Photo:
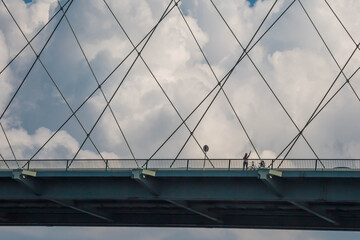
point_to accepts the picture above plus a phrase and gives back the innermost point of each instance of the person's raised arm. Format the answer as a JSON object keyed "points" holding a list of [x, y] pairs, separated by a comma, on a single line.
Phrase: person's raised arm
{"points": [[249, 153]]}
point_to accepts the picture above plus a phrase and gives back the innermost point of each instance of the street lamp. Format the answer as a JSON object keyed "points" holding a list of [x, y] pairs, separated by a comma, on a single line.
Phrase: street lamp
{"points": [[206, 149]]}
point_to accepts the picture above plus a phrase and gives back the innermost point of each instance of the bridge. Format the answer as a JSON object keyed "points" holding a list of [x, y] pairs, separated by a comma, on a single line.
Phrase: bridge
{"points": [[108, 121], [187, 196]]}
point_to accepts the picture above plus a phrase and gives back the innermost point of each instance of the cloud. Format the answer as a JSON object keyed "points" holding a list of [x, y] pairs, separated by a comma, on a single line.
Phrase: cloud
{"points": [[291, 58], [5, 84]]}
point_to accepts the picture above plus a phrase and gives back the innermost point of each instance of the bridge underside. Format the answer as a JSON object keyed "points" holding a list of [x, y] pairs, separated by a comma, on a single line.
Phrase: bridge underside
{"points": [[269, 215], [328, 200]]}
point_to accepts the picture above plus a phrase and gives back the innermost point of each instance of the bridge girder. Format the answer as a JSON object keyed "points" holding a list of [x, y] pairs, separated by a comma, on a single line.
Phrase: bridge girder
{"points": [[216, 198]]}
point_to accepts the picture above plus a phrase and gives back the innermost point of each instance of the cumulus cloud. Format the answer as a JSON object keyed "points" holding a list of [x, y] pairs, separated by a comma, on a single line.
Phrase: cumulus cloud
{"points": [[291, 58]]}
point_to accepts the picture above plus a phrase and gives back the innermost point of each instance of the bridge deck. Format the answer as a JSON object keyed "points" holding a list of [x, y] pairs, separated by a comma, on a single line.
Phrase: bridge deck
{"points": [[264, 198]]}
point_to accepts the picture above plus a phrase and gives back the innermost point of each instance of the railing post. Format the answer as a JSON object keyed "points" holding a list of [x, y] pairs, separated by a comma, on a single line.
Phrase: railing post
{"points": [[146, 164], [106, 164], [229, 164], [316, 164], [187, 164], [67, 165]]}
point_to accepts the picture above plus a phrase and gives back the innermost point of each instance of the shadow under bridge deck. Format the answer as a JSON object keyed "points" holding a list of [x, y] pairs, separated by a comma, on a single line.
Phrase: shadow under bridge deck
{"points": [[263, 198]]}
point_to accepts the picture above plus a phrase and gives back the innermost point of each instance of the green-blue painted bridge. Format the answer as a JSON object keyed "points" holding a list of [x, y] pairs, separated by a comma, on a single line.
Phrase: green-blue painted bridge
{"points": [[277, 198]]}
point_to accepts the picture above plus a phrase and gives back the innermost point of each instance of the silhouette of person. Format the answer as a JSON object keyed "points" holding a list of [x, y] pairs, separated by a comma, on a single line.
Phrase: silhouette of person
{"points": [[262, 164], [245, 158]]}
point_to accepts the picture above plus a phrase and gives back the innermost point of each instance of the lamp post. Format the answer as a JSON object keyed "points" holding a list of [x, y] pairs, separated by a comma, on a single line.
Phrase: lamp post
{"points": [[206, 149]]}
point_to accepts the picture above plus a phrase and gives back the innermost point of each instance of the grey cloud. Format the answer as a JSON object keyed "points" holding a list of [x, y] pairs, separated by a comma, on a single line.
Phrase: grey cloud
{"points": [[291, 58]]}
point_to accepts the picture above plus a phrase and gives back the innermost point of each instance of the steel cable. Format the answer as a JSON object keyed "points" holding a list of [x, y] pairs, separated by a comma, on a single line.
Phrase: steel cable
{"points": [[95, 90], [101, 90], [265, 81], [315, 113], [154, 77], [225, 77], [41, 29], [123, 79], [11, 148], [216, 78], [32, 66]]}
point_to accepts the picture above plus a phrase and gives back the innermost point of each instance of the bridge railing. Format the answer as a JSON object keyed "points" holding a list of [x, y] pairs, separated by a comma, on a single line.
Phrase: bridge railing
{"points": [[181, 164]]}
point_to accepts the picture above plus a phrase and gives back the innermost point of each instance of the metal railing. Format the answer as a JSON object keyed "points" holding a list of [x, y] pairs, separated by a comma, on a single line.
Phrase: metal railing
{"points": [[182, 164]]}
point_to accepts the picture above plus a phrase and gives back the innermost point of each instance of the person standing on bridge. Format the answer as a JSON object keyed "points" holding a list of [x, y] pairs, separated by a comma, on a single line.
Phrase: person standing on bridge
{"points": [[245, 163]]}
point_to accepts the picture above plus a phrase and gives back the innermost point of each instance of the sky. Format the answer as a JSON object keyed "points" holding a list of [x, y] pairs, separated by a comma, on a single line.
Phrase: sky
{"points": [[273, 92], [69, 233], [290, 58]]}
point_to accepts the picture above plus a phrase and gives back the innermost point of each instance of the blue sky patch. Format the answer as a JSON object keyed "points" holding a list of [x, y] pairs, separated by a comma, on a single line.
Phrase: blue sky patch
{"points": [[252, 2]]}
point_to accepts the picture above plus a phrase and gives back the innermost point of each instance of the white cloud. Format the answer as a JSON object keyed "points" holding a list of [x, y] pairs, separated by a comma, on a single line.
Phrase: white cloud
{"points": [[291, 57], [5, 84]]}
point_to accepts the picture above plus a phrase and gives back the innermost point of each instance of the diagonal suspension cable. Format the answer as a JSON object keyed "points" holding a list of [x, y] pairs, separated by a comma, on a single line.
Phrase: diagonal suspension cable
{"points": [[318, 112], [217, 79], [327, 47], [32, 66], [354, 91], [316, 109], [41, 29], [311, 117], [297, 137], [127, 73], [95, 90], [332, 10], [263, 78], [2, 158], [52, 79], [223, 79], [330, 99], [151, 72], [7, 139], [155, 78], [101, 90], [352, 39], [226, 79], [347, 79]]}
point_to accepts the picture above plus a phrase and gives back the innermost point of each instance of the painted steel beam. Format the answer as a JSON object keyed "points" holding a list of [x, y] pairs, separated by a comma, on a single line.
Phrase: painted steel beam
{"points": [[28, 179], [202, 213], [306, 208], [210, 198], [269, 177], [93, 213], [146, 179], [203, 186]]}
